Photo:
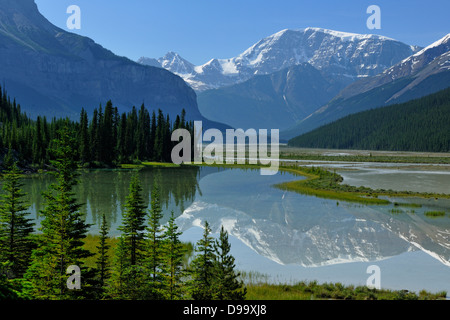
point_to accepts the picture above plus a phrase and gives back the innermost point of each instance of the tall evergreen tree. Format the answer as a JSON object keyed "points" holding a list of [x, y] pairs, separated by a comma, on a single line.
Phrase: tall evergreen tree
{"points": [[183, 119], [8, 159], [151, 140], [129, 274], [167, 141], [143, 133], [103, 258], [154, 240], [122, 139], [133, 221], [63, 228], [107, 141], [173, 254], [131, 141], [203, 267], [100, 152], [118, 283], [83, 137], [93, 132], [159, 137], [38, 143], [16, 228], [226, 285]]}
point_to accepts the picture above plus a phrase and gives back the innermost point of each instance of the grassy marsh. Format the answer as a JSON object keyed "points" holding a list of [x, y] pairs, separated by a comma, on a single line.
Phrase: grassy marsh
{"points": [[334, 291], [326, 184], [435, 213]]}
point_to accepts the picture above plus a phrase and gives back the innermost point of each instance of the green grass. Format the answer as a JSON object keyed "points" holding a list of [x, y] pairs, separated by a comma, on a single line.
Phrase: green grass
{"points": [[362, 158], [435, 213], [325, 184], [92, 241], [335, 291], [148, 164], [161, 164]]}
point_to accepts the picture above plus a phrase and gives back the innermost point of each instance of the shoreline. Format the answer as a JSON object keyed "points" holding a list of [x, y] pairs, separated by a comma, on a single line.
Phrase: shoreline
{"points": [[319, 182]]}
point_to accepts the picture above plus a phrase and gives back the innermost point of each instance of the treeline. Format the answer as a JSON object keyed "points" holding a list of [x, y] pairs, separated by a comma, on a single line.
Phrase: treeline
{"points": [[147, 261], [107, 139], [417, 125]]}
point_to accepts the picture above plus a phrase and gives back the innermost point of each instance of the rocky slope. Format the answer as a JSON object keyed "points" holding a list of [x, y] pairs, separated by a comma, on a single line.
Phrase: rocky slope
{"points": [[55, 73], [418, 75], [273, 101]]}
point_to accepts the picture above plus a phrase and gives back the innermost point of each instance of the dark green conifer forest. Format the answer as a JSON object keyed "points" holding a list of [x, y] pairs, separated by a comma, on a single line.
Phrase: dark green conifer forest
{"points": [[146, 262], [104, 139], [416, 125]]}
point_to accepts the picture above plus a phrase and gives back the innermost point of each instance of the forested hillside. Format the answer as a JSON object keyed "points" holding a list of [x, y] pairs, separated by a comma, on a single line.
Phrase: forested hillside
{"points": [[417, 125], [106, 139]]}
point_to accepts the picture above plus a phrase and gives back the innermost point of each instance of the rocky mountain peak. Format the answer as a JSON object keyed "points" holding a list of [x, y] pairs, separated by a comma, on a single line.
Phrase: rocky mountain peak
{"points": [[347, 55]]}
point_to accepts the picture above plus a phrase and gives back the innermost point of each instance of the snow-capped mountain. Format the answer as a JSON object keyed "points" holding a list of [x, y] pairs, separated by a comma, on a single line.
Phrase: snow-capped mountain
{"points": [[174, 62], [343, 54], [423, 73], [439, 49], [432, 59]]}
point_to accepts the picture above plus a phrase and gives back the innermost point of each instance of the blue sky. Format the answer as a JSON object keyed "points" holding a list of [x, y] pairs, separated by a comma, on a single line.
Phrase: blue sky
{"points": [[200, 30]]}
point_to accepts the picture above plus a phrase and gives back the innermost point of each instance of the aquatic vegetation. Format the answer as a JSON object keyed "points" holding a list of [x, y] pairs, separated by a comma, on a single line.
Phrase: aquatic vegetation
{"points": [[326, 184], [435, 213]]}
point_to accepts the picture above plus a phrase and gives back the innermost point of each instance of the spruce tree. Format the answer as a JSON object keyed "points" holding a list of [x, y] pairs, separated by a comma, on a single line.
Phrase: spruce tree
{"points": [[103, 258], [38, 144], [8, 159], [83, 137], [173, 254], [127, 281], [117, 284], [133, 222], [151, 140], [107, 141], [93, 137], [159, 137], [16, 228], [226, 285], [154, 246], [203, 267], [63, 229], [121, 139], [8, 291]]}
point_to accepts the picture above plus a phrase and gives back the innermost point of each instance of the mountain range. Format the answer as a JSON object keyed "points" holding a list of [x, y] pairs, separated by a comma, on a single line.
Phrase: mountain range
{"points": [[284, 78], [425, 72], [293, 80], [55, 73], [275, 100], [343, 54]]}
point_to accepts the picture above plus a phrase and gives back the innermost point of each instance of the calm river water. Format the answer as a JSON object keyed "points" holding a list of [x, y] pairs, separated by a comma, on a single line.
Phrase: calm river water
{"points": [[287, 236]]}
